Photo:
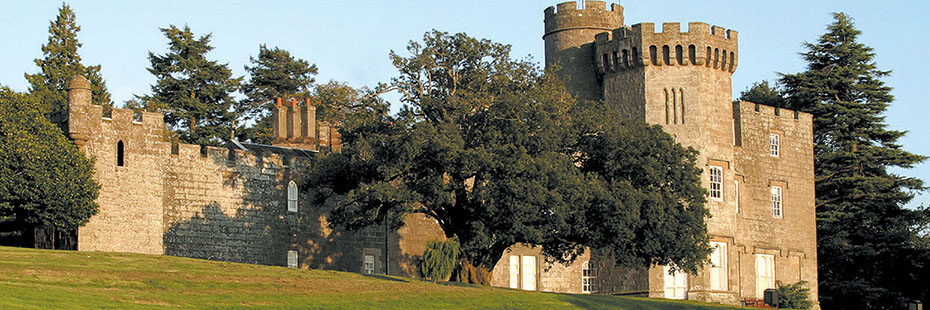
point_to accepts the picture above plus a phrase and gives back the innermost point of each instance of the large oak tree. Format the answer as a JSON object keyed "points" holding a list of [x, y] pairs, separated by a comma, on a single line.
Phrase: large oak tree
{"points": [[498, 153]]}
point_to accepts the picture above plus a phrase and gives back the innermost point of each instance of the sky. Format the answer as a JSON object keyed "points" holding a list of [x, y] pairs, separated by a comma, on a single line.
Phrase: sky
{"points": [[350, 40]]}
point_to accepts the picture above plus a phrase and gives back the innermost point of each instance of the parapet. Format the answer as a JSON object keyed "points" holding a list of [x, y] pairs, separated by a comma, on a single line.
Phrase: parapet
{"points": [[640, 45], [593, 15]]}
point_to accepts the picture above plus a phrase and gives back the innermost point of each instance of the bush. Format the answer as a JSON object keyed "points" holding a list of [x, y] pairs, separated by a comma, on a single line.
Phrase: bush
{"points": [[439, 259], [793, 296]]}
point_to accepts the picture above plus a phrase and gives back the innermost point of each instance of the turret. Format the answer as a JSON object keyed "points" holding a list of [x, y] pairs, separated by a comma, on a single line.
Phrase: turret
{"points": [[569, 36], [82, 119]]}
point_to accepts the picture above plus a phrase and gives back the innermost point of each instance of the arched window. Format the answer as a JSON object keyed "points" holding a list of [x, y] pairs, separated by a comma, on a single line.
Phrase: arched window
{"points": [[588, 277], [679, 54], [654, 55], [732, 61], [666, 55], [626, 58], [716, 58], [120, 154], [292, 197]]}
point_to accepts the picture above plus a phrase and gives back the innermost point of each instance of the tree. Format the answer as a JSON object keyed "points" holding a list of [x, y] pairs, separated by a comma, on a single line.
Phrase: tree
{"points": [[867, 253], [60, 63], [498, 153], [274, 74], [439, 260], [763, 93], [793, 296], [45, 181], [194, 93]]}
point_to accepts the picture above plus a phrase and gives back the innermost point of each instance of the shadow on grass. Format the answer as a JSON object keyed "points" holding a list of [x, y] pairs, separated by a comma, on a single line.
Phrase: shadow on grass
{"points": [[386, 278], [617, 302]]}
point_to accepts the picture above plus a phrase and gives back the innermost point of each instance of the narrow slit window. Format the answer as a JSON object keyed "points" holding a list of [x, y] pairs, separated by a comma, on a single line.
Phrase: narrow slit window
{"points": [[674, 107], [716, 58], [708, 59], [654, 55], [666, 106], [679, 54], [626, 58], [120, 154], [681, 99], [736, 194], [723, 60], [732, 61]]}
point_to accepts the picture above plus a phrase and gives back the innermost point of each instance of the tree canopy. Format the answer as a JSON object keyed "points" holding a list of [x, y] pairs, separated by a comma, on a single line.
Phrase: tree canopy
{"points": [[194, 93], [60, 63], [498, 153], [868, 258], [763, 93], [44, 179]]}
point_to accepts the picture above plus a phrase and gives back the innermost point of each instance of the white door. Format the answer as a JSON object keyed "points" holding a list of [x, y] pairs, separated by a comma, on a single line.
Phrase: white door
{"points": [[765, 273], [528, 269], [676, 286], [514, 271]]}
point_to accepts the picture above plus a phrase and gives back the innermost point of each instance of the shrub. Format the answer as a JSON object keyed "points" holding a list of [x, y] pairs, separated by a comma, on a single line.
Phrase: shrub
{"points": [[793, 296], [439, 259]]}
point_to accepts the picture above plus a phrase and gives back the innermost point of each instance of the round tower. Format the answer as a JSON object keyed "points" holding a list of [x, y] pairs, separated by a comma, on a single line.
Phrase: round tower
{"points": [[569, 36]]}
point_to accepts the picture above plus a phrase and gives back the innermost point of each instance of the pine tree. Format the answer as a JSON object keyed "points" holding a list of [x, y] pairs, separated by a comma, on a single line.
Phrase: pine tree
{"points": [[866, 239], [194, 93], [275, 73], [60, 63]]}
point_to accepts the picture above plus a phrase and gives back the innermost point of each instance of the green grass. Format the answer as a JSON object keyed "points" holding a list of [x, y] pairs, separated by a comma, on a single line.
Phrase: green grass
{"points": [[40, 279]]}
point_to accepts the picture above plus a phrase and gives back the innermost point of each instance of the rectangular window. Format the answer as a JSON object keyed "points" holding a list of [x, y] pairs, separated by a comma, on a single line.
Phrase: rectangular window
{"points": [[292, 259], [736, 194], [765, 273], [774, 141], [369, 265], [718, 266], [776, 202], [716, 183], [514, 271]]}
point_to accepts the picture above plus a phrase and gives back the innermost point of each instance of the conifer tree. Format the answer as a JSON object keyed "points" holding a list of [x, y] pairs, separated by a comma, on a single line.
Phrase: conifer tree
{"points": [[763, 93], [275, 73], [194, 93], [60, 63], [867, 254]]}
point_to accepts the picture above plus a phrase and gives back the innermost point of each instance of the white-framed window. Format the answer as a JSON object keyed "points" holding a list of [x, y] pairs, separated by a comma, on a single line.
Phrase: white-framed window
{"points": [[292, 259], [676, 285], [736, 194], [523, 272], [292, 197], [588, 277], [765, 273], [776, 201], [368, 266], [716, 182], [718, 266], [774, 142]]}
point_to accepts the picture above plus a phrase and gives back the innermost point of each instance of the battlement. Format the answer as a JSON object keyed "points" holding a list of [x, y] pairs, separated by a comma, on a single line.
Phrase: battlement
{"points": [[748, 108], [593, 15], [640, 45]]}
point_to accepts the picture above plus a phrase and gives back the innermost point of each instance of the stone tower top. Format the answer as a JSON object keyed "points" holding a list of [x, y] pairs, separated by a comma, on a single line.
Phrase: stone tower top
{"points": [[79, 90], [594, 15], [640, 45]]}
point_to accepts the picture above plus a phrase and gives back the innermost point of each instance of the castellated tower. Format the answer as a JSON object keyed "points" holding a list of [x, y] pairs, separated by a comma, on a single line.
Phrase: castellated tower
{"points": [[757, 161], [678, 79], [568, 35]]}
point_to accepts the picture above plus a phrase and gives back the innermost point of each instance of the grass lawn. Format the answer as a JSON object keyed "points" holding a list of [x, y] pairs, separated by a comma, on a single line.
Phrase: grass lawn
{"points": [[41, 279]]}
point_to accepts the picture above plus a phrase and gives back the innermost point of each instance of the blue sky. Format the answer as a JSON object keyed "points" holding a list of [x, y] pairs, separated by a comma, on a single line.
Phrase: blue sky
{"points": [[350, 40]]}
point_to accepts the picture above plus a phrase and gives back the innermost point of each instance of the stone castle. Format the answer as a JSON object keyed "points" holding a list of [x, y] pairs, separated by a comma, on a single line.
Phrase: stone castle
{"points": [[241, 203]]}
